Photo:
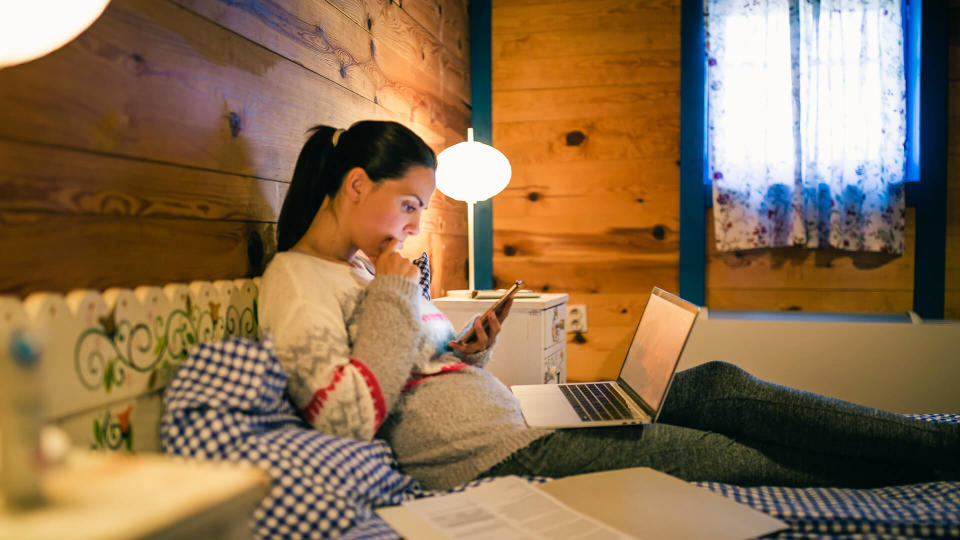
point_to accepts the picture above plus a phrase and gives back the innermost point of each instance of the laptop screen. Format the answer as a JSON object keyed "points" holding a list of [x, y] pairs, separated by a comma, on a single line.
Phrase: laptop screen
{"points": [[656, 346]]}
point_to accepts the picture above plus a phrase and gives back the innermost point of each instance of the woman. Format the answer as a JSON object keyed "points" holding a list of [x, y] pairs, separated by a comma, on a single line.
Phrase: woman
{"points": [[367, 356]]}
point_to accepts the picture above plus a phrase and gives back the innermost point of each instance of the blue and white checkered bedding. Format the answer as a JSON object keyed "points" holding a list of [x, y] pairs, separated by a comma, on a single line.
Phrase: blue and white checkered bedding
{"points": [[227, 402]]}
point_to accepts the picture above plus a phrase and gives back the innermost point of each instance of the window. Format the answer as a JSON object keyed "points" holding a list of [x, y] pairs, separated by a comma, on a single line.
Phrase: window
{"points": [[807, 123]]}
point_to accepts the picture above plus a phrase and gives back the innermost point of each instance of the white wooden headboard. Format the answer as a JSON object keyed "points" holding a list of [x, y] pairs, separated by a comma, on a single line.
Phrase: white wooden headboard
{"points": [[107, 356]]}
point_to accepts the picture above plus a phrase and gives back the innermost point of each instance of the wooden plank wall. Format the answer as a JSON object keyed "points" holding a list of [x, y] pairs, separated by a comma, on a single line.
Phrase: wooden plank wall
{"points": [[811, 280], [157, 146], [586, 104]]}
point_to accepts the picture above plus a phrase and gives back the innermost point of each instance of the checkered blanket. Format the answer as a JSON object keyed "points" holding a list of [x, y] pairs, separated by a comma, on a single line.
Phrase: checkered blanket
{"points": [[227, 403], [929, 510]]}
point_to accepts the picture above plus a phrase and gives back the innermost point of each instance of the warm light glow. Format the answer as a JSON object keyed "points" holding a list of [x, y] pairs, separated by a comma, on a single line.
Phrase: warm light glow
{"points": [[30, 29], [471, 171]]}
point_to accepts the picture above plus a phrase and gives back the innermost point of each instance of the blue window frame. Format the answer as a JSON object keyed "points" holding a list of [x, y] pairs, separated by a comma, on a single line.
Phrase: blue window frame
{"points": [[912, 17], [925, 43]]}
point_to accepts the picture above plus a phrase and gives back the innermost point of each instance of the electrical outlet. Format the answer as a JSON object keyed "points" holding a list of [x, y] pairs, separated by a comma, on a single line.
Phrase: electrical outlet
{"points": [[576, 318]]}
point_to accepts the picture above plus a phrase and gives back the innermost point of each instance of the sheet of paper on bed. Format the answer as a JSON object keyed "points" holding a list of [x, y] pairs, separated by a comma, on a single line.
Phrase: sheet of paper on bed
{"points": [[506, 507], [629, 503]]}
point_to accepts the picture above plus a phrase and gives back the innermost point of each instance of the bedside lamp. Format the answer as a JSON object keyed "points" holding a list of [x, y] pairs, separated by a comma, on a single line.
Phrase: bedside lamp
{"points": [[471, 172], [30, 29]]}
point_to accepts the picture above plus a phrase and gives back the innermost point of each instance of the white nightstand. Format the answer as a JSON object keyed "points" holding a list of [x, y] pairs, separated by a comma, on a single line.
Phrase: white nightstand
{"points": [[532, 347]]}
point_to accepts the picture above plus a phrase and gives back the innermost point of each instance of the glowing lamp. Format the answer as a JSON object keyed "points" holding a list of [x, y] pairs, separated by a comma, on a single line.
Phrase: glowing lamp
{"points": [[30, 29], [472, 172]]}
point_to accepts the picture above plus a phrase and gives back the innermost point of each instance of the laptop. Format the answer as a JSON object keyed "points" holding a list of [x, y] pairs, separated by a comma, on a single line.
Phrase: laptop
{"points": [[637, 395]]}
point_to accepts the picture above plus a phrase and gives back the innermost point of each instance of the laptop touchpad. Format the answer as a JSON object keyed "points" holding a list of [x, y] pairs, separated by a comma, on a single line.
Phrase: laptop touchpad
{"points": [[544, 405]]}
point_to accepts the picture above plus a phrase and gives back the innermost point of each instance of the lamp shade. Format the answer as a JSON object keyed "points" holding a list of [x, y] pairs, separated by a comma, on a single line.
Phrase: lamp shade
{"points": [[472, 171], [30, 29]]}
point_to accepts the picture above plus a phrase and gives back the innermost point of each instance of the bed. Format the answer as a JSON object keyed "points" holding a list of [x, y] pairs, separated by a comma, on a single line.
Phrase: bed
{"points": [[113, 357]]}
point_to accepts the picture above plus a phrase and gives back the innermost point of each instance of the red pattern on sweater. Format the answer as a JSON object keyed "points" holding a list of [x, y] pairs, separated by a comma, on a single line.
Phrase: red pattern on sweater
{"points": [[312, 409], [443, 371]]}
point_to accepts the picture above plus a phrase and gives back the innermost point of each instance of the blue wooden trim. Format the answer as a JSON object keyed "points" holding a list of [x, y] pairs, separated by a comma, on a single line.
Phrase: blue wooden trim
{"points": [[911, 193], [481, 76], [483, 243], [911, 59], [931, 242], [693, 88]]}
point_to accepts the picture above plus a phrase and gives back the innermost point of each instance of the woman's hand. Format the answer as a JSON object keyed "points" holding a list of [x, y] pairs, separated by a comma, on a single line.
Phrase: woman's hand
{"points": [[389, 262], [485, 337]]}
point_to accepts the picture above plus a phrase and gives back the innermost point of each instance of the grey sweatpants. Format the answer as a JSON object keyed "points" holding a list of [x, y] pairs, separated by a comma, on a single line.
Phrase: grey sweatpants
{"points": [[722, 424]]}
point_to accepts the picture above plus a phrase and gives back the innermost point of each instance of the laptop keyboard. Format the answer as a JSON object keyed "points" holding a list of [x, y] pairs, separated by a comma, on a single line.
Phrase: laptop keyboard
{"points": [[596, 401]]}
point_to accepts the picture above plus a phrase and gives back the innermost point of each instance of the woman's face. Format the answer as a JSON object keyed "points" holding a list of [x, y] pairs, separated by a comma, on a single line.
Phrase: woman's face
{"points": [[392, 209]]}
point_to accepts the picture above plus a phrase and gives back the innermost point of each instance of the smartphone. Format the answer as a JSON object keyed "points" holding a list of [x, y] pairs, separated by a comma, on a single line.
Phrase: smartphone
{"points": [[497, 308]]}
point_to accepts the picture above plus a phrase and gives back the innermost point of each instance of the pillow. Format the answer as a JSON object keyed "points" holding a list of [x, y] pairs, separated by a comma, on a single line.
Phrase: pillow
{"points": [[423, 263], [227, 403]]}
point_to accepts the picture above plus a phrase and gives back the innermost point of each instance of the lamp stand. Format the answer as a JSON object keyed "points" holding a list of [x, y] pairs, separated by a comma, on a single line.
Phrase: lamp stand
{"points": [[472, 276], [470, 254]]}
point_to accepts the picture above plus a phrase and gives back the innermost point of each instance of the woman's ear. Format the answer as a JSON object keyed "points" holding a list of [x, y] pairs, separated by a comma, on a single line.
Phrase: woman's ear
{"points": [[356, 184]]}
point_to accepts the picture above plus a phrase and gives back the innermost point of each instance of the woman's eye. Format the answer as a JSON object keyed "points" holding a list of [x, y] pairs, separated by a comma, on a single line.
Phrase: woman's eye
{"points": [[409, 208]]}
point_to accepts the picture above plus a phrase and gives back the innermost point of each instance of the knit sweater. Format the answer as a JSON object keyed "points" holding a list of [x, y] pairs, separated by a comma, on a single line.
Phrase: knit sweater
{"points": [[369, 356]]}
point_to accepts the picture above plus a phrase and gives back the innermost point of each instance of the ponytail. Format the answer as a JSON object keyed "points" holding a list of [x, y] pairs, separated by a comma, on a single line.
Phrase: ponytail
{"points": [[384, 150]]}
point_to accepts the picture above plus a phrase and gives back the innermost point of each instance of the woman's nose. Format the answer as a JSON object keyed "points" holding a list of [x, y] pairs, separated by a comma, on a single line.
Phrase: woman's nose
{"points": [[414, 226]]}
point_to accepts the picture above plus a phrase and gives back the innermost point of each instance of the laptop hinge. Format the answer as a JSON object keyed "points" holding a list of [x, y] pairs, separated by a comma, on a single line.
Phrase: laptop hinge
{"points": [[647, 409]]}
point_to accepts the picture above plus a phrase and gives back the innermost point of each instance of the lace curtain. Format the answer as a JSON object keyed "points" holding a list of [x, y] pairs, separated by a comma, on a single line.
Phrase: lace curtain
{"points": [[806, 123]]}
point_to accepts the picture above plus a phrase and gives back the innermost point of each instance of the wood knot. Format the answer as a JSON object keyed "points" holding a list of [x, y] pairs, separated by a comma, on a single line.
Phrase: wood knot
{"points": [[545, 288], [533, 196], [639, 199], [578, 338], [659, 232], [575, 138], [794, 308], [139, 63], [373, 49], [623, 310], [235, 124], [369, 23], [509, 251], [343, 71]]}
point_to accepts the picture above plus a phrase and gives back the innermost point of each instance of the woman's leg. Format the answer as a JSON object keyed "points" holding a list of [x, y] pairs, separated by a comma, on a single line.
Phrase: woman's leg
{"points": [[696, 455], [722, 424], [723, 398]]}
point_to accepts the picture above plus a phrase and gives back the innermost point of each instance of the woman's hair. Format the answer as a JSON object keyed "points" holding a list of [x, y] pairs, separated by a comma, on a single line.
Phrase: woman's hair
{"points": [[385, 150]]}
